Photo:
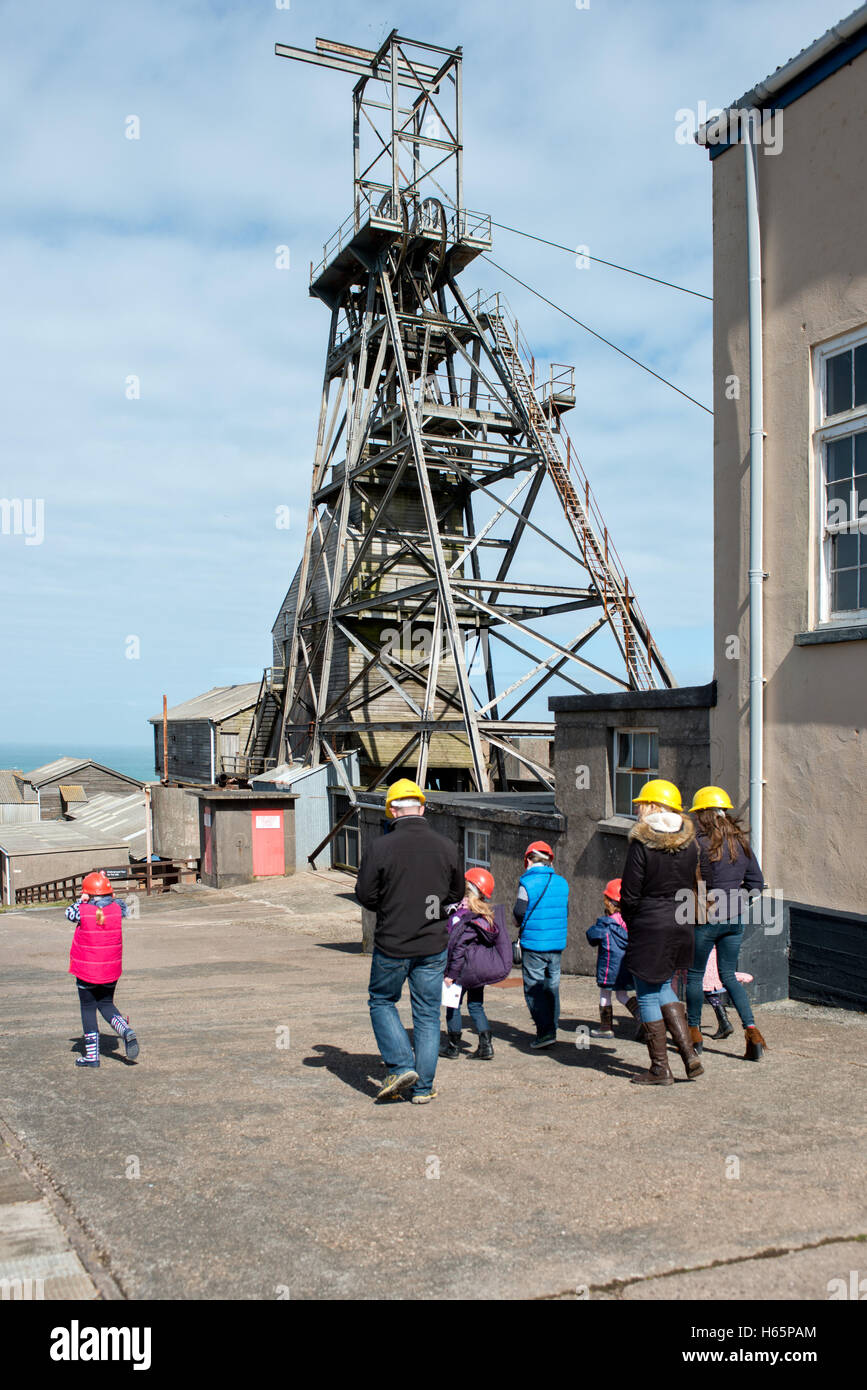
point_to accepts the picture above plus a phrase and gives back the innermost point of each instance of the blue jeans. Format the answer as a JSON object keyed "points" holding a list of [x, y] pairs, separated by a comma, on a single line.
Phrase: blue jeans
{"points": [[475, 998], [541, 970], [727, 937], [651, 999], [425, 975]]}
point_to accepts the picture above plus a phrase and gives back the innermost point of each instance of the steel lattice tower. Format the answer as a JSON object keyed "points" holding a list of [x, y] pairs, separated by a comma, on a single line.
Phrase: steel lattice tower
{"points": [[430, 412]]}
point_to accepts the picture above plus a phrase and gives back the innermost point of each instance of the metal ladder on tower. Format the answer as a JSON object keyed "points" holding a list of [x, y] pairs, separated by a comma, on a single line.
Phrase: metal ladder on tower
{"points": [[613, 592]]}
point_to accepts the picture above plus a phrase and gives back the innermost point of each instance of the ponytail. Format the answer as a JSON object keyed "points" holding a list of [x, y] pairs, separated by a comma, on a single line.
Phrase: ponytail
{"points": [[100, 917], [479, 907], [722, 829]]}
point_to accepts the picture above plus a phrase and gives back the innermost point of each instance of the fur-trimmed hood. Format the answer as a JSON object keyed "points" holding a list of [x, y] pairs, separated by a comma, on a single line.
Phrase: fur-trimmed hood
{"points": [[667, 841]]}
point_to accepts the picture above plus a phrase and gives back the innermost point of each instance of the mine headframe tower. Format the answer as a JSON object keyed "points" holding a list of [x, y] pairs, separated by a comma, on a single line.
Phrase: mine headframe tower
{"points": [[434, 441]]}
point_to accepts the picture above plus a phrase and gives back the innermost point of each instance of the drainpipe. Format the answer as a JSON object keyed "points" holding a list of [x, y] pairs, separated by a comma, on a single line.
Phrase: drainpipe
{"points": [[756, 567], [213, 768]]}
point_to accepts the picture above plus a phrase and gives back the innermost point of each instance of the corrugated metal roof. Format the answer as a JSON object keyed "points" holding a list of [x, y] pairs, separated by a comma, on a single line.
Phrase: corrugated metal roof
{"points": [[49, 772], [14, 789], [54, 836], [286, 775], [219, 703], [72, 791], [120, 817]]}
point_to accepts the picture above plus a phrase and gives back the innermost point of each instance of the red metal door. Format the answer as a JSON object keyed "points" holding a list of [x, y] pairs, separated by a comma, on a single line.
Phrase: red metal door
{"points": [[269, 857], [207, 817]]}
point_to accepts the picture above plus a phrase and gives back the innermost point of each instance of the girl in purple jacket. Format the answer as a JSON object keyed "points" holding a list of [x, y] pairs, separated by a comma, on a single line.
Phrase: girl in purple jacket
{"points": [[479, 953], [96, 961]]}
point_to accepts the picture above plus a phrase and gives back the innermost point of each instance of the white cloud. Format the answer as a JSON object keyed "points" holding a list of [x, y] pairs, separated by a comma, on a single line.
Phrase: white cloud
{"points": [[155, 257]]}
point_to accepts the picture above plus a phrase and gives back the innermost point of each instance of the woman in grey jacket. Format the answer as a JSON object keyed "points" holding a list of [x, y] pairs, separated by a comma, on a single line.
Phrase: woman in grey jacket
{"points": [[731, 873]]}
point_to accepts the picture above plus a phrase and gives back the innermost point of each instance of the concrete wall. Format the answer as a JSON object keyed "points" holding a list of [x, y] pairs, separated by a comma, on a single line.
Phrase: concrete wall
{"points": [[813, 206], [26, 870], [594, 847], [175, 823], [511, 824]]}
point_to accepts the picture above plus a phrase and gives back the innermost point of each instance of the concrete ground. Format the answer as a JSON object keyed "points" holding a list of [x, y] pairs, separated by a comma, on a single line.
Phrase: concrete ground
{"points": [[242, 1156]]}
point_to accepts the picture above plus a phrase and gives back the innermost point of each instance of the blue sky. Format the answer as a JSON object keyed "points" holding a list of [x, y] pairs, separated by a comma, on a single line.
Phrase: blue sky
{"points": [[155, 258]]}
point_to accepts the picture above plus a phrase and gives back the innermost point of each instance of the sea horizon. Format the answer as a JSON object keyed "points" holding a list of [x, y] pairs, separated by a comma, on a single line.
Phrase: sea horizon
{"points": [[134, 760]]}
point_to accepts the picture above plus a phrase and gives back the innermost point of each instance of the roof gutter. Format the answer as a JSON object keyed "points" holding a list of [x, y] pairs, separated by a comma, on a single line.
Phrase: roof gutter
{"points": [[716, 132]]}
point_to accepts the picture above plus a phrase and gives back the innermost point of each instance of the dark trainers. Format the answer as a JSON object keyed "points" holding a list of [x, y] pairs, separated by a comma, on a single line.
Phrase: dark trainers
{"points": [[130, 1042], [548, 1040], [425, 1099], [397, 1081]]}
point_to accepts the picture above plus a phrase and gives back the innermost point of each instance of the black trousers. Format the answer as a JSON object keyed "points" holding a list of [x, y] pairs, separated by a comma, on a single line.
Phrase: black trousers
{"points": [[93, 998]]}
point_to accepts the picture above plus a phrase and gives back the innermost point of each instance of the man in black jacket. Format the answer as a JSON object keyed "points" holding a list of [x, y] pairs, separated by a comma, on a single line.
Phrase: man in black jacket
{"points": [[408, 878]]}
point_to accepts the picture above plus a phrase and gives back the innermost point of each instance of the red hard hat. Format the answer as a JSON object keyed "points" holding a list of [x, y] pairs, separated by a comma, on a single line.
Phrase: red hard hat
{"points": [[539, 847], [96, 884], [612, 890], [481, 879]]}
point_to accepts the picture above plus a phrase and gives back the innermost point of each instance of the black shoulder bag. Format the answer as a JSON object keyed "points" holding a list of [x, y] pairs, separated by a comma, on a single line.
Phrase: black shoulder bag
{"points": [[516, 945]]}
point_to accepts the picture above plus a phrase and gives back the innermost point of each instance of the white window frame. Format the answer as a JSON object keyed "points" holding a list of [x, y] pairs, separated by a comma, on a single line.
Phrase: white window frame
{"points": [[825, 429], [474, 861], [615, 765]]}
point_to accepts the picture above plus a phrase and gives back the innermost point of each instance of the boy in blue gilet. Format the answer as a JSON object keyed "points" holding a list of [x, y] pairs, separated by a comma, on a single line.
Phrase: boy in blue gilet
{"points": [[541, 912]]}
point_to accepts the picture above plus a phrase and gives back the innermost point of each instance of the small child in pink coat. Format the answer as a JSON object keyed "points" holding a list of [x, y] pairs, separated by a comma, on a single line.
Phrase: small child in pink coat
{"points": [[96, 961], [714, 989]]}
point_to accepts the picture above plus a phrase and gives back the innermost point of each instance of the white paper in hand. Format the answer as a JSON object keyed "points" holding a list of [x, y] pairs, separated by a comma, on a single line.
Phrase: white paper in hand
{"points": [[451, 996]]}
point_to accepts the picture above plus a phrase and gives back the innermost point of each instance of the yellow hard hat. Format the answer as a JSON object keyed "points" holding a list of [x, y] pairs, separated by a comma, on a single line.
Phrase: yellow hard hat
{"points": [[402, 790], [707, 797], [665, 793]]}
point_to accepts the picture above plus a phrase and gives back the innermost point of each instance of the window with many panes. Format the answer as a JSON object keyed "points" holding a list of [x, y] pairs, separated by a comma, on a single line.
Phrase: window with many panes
{"points": [[636, 761], [477, 849], [840, 444], [344, 846]]}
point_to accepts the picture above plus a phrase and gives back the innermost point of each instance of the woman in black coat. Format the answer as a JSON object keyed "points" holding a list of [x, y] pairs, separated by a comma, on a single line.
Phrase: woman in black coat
{"points": [[657, 896]]}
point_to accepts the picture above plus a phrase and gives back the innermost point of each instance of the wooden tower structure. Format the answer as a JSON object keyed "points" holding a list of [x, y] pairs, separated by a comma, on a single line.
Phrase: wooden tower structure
{"points": [[434, 445]]}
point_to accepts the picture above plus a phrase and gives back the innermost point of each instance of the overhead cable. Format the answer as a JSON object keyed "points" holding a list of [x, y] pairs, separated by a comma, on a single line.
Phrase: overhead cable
{"points": [[592, 331], [629, 271]]}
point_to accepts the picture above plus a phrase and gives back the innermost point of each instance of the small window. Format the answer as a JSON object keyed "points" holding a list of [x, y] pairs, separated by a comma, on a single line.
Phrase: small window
{"points": [[840, 451], [636, 761], [344, 846], [477, 849]]}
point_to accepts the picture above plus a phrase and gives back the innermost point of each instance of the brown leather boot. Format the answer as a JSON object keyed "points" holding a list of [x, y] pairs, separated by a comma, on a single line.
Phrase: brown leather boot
{"points": [[674, 1017], [606, 1022], [696, 1037], [632, 1006], [755, 1043], [660, 1072]]}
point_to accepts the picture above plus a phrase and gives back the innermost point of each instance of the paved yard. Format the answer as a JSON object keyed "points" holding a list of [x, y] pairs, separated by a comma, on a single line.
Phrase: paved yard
{"points": [[242, 1156]]}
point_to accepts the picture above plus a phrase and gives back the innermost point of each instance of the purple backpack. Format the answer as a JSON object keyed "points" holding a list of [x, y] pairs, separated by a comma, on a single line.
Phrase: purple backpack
{"points": [[483, 962]]}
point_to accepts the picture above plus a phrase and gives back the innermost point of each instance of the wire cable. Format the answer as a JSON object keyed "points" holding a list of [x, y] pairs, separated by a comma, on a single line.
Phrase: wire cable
{"points": [[571, 250], [592, 331]]}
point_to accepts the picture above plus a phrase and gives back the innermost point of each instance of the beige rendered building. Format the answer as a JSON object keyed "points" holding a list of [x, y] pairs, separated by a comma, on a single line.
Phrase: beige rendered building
{"points": [[808, 150]]}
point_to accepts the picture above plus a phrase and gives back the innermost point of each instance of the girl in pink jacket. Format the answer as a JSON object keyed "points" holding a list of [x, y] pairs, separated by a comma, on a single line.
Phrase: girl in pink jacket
{"points": [[96, 961]]}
